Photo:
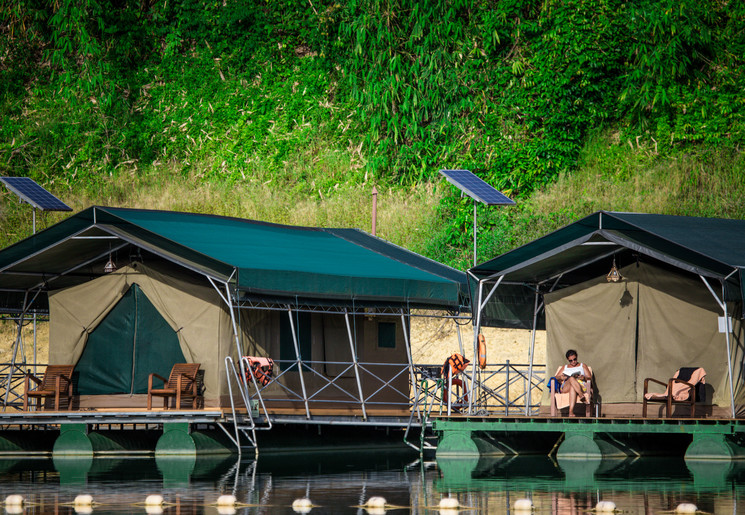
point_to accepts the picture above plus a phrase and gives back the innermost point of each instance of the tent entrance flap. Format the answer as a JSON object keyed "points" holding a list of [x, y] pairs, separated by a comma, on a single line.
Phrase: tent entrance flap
{"points": [[132, 342]]}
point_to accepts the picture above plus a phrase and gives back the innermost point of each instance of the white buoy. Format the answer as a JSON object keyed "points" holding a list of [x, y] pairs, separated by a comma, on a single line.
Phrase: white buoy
{"points": [[449, 503], [83, 509], [302, 505], [83, 500], [154, 500], [226, 510], [14, 500], [14, 509], [154, 509], [605, 507], [523, 504], [686, 507], [376, 502], [226, 500]]}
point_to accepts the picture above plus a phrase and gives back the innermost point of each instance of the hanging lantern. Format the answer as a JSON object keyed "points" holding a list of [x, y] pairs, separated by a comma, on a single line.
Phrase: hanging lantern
{"points": [[614, 275], [110, 266]]}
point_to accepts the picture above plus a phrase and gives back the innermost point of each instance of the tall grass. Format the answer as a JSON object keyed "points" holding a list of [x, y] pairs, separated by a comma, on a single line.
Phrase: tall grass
{"points": [[322, 186], [405, 215]]}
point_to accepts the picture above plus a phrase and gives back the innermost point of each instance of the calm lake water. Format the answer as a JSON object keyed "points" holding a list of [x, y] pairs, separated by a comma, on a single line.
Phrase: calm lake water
{"points": [[338, 482]]}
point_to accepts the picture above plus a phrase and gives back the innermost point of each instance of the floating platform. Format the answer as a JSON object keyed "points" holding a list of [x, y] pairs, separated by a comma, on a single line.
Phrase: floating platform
{"points": [[211, 432], [89, 433], [590, 438]]}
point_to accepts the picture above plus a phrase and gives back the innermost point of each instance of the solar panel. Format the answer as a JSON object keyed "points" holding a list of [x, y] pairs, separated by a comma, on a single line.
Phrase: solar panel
{"points": [[32, 193], [475, 188]]}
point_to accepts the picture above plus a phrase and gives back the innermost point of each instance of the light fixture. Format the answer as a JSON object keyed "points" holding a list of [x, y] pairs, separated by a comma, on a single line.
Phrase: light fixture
{"points": [[109, 266], [614, 275]]}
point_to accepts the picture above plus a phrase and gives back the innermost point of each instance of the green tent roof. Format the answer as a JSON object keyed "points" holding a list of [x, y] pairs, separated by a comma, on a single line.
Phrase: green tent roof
{"points": [[259, 259], [711, 247]]}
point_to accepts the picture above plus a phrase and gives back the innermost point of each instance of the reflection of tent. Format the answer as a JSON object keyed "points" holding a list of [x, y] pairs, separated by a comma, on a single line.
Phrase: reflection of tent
{"points": [[198, 288], [664, 313]]}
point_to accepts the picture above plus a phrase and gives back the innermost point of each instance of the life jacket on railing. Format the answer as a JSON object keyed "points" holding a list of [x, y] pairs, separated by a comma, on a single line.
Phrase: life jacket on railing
{"points": [[261, 368], [453, 366]]}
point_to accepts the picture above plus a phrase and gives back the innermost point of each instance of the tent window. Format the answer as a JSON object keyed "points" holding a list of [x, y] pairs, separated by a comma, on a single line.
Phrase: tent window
{"points": [[386, 335], [286, 346]]}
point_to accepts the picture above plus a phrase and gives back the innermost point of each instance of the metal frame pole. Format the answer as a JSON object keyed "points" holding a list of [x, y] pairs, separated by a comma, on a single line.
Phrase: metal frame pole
{"points": [[412, 372], [227, 299], [299, 362], [356, 364], [474, 232], [460, 340], [16, 344], [729, 354], [532, 355], [723, 306], [476, 328]]}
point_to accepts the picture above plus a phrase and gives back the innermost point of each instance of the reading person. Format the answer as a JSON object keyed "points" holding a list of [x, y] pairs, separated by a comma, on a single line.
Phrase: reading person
{"points": [[572, 377]]}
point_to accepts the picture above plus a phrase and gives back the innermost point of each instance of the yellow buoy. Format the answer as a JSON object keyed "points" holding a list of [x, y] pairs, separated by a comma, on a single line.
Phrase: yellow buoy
{"points": [[605, 507], [686, 508]]}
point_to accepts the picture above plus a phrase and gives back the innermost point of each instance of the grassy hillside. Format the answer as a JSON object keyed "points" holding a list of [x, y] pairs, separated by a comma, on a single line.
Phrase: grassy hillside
{"points": [[291, 111]]}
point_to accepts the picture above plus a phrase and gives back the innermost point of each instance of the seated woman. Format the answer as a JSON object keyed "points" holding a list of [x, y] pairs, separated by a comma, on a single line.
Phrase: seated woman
{"points": [[572, 377]]}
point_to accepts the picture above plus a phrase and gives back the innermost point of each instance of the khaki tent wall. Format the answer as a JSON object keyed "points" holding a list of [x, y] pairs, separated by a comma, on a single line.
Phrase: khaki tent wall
{"points": [[196, 313], [590, 318], [648, 325], [678, 327]]}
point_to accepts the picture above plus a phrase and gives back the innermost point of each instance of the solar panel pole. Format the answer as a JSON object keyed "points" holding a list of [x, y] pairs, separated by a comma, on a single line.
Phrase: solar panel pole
{"points": [[474, 232]]}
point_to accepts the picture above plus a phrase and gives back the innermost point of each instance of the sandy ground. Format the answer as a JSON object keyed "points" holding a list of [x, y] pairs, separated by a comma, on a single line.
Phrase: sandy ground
{"points": [[8, 333], [432, 341]]}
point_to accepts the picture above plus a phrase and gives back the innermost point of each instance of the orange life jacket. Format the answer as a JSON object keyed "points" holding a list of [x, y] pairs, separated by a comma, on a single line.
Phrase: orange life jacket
{"points": [[455, 363], [261, 368]]}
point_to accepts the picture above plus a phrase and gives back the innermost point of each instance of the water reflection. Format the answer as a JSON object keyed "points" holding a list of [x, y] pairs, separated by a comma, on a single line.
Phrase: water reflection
{"points": [[341, 482]]}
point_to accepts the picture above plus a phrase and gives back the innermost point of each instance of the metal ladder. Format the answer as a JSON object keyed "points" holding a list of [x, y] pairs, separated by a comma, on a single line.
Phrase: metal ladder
{"points": [[245, 425], [422, 409]]}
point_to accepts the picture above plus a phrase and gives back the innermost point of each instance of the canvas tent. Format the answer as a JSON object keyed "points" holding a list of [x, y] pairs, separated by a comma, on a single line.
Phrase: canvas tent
{"points": [[198, 288], [681, 276]]}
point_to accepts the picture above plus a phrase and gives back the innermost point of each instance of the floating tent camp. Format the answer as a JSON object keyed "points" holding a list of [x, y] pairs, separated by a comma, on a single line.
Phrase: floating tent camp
{"points": [[199, 288], [681, 279]]}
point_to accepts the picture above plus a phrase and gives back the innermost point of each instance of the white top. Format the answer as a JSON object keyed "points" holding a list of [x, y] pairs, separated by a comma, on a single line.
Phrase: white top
{"points": [[569, 371]]}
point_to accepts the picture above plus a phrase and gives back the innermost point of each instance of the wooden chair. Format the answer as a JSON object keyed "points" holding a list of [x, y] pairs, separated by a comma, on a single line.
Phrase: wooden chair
{"points": [[182, 383], [558, 398], [56, 382], [685, 387]]}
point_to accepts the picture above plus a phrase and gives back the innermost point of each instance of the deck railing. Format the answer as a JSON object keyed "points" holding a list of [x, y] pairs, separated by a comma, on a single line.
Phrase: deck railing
{"points": [[11, 383], [370, 387]]}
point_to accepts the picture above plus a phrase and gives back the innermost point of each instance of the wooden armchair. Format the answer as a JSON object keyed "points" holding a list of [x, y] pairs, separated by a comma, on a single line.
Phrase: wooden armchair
{"points": [[56, 382], [182, 383], [685, 387]]}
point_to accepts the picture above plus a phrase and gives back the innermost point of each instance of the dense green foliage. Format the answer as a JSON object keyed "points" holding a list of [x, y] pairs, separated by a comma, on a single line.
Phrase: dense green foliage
{"points": [[308, 95]]}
